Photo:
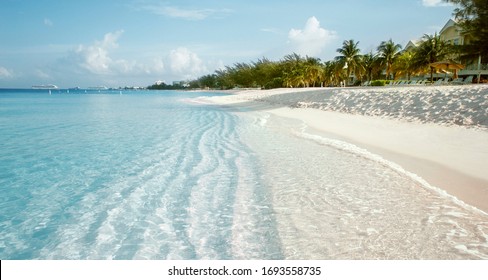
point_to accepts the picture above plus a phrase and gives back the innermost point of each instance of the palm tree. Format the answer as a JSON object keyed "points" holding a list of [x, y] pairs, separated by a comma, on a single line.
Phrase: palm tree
{"points": [[313, 70], [371, 64], [405, 64], [328, 77], [430, 50], [388, 51], [333, 73], [293, 70], [350, 56]]}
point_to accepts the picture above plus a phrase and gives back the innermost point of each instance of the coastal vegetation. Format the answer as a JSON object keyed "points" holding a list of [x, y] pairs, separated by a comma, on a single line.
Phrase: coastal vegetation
{"points": [[351, 67], [430, 50], [294, 70], [388, 51], [472, 16]]}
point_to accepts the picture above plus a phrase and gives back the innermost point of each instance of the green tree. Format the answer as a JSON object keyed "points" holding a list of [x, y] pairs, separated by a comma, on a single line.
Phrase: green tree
{"points": [[328, 78], [313, 71], [371, 64], [207, 81], [349, 57], [293, 70], [473, 19], [223, 79], [404, 64], [430, 50], [266, 73], [388, 51], [333, 73]]}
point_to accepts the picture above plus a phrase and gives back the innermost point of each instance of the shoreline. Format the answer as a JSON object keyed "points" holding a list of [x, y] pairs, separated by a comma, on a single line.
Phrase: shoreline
{"points": [[436, 153]]}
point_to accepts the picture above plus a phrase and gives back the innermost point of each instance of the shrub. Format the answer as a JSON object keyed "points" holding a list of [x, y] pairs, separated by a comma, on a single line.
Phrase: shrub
{"points": [[378, 83]]}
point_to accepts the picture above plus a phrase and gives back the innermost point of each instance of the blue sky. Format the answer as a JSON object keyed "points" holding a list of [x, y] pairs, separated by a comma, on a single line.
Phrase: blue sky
{"points": [[137, 42]]}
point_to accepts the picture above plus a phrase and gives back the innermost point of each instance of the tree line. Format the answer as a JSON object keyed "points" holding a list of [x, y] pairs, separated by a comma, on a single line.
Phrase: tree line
{"points": [[388, 61]]}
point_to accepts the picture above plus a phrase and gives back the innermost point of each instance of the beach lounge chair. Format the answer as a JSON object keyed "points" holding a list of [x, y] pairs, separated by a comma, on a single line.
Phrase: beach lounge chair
{"points": [[441, 82], [460, 81], [468, 80], [457, 81]]}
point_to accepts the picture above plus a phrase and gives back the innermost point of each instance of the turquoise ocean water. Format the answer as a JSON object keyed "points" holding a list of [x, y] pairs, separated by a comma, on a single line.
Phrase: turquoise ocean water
{"points": [[115, 176], [149, 175]]}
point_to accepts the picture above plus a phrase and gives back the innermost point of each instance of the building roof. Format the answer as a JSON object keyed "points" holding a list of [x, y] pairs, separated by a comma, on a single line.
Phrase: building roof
{"points": [[450, 23], [411, 44]]}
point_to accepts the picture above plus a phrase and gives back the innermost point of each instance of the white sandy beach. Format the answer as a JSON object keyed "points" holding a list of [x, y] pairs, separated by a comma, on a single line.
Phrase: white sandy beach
{"points": [[448, 156]]}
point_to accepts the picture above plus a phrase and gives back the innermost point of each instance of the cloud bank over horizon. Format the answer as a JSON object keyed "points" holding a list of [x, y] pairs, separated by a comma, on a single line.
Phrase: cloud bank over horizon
{"points": [[106, 62]]}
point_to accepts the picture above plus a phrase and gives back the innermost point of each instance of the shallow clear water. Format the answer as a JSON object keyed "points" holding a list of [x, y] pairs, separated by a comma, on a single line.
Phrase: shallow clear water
{"points": [[333, 200], [151, 176], [139, 175]]}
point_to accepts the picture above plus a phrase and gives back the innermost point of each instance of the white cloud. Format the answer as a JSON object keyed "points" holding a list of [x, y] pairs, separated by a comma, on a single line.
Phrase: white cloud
{"points": [[185, 63], [95, 58], [5, 73], [156, 66], [312, 39], [434, 3], [187, 14], [105, 62]]}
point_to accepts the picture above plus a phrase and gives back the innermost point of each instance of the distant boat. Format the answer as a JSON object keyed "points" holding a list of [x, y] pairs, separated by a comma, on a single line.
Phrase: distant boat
{"points": [[45, 87]]}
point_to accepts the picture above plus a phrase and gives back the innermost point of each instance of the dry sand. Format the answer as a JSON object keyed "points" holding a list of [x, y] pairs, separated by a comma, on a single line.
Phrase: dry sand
{"points": [[453, 158]]}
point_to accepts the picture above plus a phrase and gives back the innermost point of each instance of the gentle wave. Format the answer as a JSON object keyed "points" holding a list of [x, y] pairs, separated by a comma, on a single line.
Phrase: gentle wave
{"points": [[351, 148], [334, 200]]}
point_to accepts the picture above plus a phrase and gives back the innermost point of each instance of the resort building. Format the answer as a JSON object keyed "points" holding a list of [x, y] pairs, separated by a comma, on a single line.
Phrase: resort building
{"points": [[453, 35]]}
